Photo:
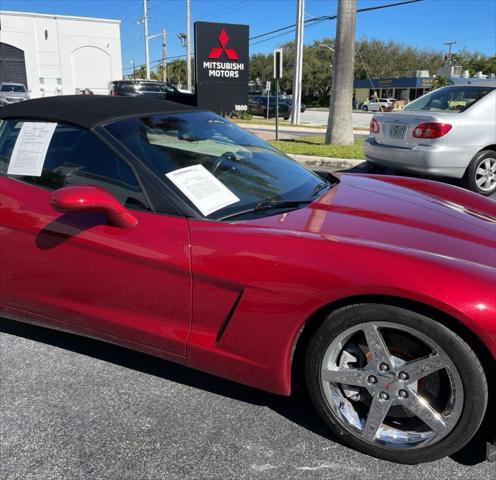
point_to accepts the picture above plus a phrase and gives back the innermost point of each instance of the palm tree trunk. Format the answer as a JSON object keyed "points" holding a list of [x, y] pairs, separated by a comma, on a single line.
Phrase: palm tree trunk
{"points": [[340, 123]]}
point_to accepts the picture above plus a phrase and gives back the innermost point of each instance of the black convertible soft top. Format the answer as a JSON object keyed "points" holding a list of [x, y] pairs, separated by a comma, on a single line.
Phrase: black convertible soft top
{"points": [[89, 110]]}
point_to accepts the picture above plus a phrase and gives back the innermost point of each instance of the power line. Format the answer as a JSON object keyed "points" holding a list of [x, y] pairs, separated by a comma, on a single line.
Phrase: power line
{"points": [[291, 28], [333, 17], [230, 8], [134, 12], [283, 33], [157, 61], [123, 9]]}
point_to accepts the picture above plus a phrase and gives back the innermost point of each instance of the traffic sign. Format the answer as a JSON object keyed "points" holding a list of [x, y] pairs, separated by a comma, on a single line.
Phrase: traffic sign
{"points": [[278, 63]]}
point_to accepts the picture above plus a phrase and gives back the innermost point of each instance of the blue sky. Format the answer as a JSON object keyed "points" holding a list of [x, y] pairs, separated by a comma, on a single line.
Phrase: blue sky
{"points": [[429, 23]]}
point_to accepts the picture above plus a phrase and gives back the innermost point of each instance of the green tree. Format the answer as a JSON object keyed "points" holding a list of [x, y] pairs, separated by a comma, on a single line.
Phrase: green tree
{"points": [[441, 81], [176, 72], [377, 57], [475, 62]]}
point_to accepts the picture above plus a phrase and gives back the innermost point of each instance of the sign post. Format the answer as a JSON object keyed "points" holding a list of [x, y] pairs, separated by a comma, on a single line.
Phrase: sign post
{"points": [[277, 76], [221, 61], [267, 88]]}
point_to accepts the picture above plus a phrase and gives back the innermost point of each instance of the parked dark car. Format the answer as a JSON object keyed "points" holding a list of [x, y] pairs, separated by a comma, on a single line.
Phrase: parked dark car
{"points": [[257, 105], [150, 88], [289, 101]]}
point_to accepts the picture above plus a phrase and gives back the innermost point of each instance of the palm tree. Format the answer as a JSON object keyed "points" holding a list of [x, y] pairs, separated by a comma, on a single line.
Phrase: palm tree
{"points": [[176, 71], [441, 81]]}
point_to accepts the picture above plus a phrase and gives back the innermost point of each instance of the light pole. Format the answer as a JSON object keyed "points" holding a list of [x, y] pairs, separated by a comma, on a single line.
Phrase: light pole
{"points": [[144, 19], [184, 41], [134, 69], [164, 61], [188, 45], [298, 62], [164, 55]]}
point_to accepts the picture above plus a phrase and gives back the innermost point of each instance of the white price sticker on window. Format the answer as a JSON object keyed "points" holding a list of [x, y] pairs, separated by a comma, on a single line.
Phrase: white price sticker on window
{"points": [[30, 148], [206, 192]]}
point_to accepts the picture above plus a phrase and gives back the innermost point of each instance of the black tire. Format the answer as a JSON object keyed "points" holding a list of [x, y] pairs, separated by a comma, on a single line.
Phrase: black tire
{"points": [[365, 108], [471, 175], [471, 372], [286, 118]]}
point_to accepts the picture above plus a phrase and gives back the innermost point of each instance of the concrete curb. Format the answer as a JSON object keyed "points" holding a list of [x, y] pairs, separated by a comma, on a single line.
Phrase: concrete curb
{"points": [[288, 128], [291, 128], [327, 162]]}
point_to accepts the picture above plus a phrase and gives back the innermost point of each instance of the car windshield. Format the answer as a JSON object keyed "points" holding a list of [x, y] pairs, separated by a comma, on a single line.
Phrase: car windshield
{"points": [[449, 99], [14, 88], [248, 169]]}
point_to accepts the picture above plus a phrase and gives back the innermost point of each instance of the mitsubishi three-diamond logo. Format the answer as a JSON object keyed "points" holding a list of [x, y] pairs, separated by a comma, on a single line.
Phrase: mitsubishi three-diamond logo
{"points": [[216, 52]]}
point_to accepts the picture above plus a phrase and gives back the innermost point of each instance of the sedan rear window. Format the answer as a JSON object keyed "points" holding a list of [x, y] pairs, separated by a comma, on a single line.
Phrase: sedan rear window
{"points": [[449, 99]]}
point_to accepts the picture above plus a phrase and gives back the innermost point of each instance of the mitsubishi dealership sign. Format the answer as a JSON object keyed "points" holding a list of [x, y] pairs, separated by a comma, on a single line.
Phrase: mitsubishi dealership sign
{"points": [[221, 57]]}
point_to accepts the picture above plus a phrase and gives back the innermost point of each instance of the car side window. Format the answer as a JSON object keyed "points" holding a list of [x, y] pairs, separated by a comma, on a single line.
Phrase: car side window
{"points": [[76, 156]]}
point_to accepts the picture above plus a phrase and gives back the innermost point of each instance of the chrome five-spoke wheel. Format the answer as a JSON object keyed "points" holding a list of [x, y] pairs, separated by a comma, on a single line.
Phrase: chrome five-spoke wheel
{"points": [[394, 383]]}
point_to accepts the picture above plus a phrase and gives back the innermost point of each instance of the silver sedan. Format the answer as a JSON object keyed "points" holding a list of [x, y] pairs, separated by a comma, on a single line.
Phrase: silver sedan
{"points": [[449, 132]]}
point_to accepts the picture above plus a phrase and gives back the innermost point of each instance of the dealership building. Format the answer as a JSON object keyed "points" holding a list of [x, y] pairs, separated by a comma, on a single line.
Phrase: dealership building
{"points": [[58, 54], [417, 84], [402, 88]]}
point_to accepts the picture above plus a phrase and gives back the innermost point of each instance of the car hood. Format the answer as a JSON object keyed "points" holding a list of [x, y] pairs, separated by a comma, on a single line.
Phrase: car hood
{"points": [[413, 214]]}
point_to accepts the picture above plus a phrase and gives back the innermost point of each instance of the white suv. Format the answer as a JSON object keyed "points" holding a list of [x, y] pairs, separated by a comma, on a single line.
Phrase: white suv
{"points": [[12, 93]]}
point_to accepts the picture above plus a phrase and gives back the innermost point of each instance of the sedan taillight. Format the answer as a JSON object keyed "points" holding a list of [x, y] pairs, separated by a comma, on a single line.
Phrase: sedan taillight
{"points": [[431, 130], [374, 126]]}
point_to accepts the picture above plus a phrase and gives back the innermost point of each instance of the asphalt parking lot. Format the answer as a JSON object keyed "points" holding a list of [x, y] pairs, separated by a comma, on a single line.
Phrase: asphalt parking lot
{"points": [[73, 408]]}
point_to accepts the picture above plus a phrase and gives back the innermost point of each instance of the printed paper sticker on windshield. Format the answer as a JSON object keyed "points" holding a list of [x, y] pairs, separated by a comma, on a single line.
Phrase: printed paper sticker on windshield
{"points": [[206, 192], [30, 149]]}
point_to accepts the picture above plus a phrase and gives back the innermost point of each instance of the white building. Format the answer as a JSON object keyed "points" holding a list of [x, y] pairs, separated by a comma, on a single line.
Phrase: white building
{"points": [[58, 54]]}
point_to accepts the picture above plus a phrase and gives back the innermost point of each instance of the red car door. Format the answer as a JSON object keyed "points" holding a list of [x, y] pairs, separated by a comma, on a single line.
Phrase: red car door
{"points": [[124, 284]]}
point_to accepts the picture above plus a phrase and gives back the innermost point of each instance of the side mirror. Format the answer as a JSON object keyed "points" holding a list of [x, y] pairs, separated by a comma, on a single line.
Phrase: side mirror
{"points": [[86, 198]]}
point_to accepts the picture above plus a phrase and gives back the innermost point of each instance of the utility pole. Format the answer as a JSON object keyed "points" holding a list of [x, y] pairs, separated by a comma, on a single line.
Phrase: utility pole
{"points": [[188, 45], [340, 123], [449, 44], [144, 19], [164, 55], [298, 62]]}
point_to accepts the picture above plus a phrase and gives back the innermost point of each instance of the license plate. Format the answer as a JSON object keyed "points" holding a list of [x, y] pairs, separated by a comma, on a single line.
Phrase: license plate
{"points": [[396, 131]]}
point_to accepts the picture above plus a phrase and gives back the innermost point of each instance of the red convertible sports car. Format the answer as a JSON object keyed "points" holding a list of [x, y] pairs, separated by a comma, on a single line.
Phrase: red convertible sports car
{"points": [[170, 230]]}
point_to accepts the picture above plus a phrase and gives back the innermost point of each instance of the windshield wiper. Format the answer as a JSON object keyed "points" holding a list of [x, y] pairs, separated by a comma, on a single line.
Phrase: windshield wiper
{"points": [[274, 203], [319, 187], [267, 205]]}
